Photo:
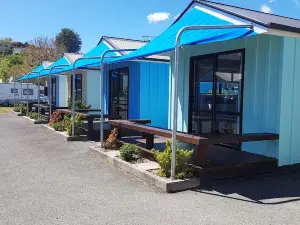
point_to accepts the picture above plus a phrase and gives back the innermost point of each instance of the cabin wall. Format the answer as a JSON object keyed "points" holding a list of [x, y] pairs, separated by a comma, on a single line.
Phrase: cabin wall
{"points": [[262, 86], [61, 91], [93, 88], [148, 91], [289, 150], [84, 84]]}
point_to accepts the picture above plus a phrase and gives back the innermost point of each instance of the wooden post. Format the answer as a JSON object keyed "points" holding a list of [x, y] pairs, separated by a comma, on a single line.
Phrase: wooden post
{"points": [[201, 155], [149, 141], [90, 128]]}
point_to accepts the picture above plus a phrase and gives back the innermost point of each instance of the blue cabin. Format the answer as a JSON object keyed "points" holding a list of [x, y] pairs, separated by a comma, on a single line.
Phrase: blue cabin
{"points": [[132, 90], [244, 85]]}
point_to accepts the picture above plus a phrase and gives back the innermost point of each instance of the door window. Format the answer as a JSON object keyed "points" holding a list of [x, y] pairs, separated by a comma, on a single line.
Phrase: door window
{"points": [[118, 105], [216, 94]]}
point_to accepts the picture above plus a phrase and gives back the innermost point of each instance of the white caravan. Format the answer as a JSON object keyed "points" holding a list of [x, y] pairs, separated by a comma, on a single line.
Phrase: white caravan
{"points": [[7, 92]]}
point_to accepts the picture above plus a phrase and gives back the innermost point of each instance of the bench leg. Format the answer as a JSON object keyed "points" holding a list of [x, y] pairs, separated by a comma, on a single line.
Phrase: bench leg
{"points": [[29, 108], [149, 141], [90, 128], [201, 155]]}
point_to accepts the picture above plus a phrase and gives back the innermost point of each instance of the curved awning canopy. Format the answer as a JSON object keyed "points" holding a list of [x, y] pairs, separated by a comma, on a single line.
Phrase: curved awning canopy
{"points": [[195, 17]]}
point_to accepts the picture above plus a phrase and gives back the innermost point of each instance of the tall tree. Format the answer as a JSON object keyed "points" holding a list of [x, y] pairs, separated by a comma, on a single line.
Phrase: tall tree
{"points": [[41, 49], [68, 41]]}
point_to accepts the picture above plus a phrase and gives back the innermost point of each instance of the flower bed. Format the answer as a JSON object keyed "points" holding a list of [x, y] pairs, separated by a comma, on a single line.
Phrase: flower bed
{"points": [[129, 158]]}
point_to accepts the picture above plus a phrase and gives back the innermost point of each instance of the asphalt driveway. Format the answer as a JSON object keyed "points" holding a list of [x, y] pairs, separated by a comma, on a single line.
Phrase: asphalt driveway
{"points": [[44, 180]]}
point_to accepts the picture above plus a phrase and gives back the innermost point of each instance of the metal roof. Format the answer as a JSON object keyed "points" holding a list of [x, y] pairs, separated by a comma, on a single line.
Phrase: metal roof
{"points": [[123, 43], [264, 19], [46, 64], [71, 57]]}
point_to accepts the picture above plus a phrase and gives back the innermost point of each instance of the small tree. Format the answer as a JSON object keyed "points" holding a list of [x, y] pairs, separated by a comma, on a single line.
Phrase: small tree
{"points": [[68, 41]]}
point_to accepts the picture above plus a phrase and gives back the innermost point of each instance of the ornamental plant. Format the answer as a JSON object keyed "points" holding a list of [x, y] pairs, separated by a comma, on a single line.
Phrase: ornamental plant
{"points": [[33, 115], [112, 141], [21, 108], [16, 108], [59, 126], [79, 104], [77, 125], [129, 152], [55, 117], [182, 169]]}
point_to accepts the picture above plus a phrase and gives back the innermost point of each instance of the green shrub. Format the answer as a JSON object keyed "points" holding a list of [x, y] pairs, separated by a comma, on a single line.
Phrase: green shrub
{"points": [[182, 169], [79, 104], [59, 126], [23, 108], [77, 124], [55, 117], [129, 152], [16, 108], [20, 108], [33, 115]]}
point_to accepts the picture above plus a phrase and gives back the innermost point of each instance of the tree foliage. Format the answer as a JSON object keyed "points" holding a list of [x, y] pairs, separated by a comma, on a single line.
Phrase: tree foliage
{"points": [[38, 50], [7, 63], [68, 41]]}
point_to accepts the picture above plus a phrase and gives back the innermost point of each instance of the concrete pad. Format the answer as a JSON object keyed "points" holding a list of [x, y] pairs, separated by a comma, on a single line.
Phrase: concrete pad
{"points": [[149, 166]]}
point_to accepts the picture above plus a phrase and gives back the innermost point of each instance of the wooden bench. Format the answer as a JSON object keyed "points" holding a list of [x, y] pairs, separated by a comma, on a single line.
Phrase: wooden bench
{"points": [[30, 104], [200, 142], [87, 117]]}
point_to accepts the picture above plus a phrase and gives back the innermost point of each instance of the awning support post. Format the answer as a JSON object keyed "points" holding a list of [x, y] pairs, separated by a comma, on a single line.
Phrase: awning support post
{"points": [[27, 110], [39, 90], [176, 73], [73, 93], [50, 89], [102, 88], [14, 93]]}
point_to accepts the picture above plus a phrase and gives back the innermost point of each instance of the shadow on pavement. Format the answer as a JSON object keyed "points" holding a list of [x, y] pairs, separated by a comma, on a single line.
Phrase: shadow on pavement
{"points": [[278, 188]]}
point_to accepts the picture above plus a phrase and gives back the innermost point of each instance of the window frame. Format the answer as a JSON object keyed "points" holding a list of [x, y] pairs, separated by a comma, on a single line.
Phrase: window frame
{"points": [[215, 67]]}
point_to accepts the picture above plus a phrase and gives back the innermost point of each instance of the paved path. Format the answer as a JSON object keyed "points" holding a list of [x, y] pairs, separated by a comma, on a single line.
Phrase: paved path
{"points": [[44, 180]]}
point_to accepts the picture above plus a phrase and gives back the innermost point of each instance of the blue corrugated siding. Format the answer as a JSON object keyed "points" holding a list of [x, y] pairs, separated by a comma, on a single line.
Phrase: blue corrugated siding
{"points": [[148, 91], [262, 82], [154, 94], [289, 152]]}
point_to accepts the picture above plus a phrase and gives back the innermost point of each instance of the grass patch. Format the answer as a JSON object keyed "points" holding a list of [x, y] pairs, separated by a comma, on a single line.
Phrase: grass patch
{"points": [[6, 109]]}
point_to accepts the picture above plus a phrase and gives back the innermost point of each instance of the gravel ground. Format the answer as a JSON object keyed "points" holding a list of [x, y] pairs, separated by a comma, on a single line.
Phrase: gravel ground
{"points": [[44, 180]]}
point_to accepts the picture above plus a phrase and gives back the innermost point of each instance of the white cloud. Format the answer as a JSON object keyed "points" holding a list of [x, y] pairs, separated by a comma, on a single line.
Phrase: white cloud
{"points": [[175, 17], [157, 17], [271, 1], [266, 9], [297, 2]]}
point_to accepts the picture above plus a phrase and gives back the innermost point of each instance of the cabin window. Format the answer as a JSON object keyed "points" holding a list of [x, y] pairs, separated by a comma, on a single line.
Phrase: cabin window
{"points": [[27, 91], [14, 90], [118, 101], [78, 87], [216, 89]]}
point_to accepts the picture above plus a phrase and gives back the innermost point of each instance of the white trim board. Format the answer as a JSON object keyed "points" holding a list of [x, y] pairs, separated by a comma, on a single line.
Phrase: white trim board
{"points": [[230, 18]]}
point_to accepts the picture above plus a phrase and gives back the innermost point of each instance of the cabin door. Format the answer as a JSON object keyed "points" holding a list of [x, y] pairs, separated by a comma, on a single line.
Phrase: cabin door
{"points": [[53, 91], [118, 102], [216, 94]]}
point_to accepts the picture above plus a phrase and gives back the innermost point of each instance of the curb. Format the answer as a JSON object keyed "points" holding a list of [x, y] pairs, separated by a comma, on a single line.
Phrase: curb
{"points": [[67, 137], [162, 183]]}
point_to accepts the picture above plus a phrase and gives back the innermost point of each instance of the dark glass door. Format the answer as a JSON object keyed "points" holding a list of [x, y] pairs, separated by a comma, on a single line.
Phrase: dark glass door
{"points": [[216, 94], [78, 87], [118, 104], [53, 91], [202, 96]]}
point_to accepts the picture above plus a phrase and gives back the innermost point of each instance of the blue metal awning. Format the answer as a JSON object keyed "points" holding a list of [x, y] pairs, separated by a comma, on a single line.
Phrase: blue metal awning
{"points": [[167, 40], [34, 73]]}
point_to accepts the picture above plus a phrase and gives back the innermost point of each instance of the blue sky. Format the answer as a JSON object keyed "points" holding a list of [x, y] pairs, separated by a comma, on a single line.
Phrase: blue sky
{"points": [[24, 20]]}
